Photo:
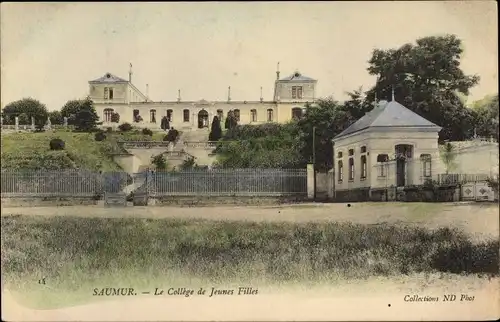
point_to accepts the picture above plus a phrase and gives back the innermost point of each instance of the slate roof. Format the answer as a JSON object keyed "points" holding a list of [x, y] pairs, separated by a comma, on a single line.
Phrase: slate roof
{"points": [[109, 78], [297, 76], [388, 114]]}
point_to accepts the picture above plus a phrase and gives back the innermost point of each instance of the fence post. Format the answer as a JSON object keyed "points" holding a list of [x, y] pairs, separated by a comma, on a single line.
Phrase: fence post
{"points": [[16, 119], [310, 181], [330, 175]]}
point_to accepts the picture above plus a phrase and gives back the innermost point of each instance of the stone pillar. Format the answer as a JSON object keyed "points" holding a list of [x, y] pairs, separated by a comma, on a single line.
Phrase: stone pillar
{"points": [[310, 181], [1, 121], [32, 123], [65, 121], [331, 184], [16, 120]]}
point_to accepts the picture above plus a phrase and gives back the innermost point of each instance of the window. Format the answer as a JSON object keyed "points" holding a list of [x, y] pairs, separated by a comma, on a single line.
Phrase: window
{"points": [[270, 115], [382, 159], [351, 169], [185, 115], [339, 155], [170, 115], [106, 93], [426, 164], [220, 115], [297, 92], [351, 152], [340, 171], [253, 114], [363, 149], [237, 115], [152, 116], [108, 114], [363, 167], [110, 93], [296, 113]]}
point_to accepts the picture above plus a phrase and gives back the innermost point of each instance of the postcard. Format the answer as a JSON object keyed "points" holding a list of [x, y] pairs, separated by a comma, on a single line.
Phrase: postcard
{"points": [[250, 161]]}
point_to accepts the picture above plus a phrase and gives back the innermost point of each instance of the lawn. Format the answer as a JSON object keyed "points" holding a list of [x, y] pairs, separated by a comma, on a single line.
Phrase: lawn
{"points": [[76, 255], [31, 150]]}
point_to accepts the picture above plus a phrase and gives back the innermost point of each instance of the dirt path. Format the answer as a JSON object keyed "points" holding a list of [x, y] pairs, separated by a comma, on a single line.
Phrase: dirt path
{"points": [[479, 220]]}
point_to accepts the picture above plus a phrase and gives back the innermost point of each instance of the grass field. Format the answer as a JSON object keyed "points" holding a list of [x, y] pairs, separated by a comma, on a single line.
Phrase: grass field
{"points": [[76, 252], [31, 150]]}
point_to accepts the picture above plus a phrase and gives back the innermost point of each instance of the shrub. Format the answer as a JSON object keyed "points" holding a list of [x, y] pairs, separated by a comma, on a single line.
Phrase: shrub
{"points": [[115, 117], [109, 129], [125, 127], [56, 144], [100, 136], [159, 161], [147, 132]]}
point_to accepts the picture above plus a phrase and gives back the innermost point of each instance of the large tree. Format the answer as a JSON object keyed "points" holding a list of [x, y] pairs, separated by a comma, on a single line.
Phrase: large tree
{"points": [[81, 114], [427, 79], [216, 131], [486, 117], [25, 109]]}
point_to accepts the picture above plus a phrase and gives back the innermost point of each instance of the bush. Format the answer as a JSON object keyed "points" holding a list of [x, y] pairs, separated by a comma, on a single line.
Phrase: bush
{"points": [[56, 144], [125, 127], [159, 161], [115, 118], [147, 132], [100, 136], [109, 129]]}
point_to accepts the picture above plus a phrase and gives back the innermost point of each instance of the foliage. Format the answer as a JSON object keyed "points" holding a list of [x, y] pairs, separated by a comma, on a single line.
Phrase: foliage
{"points": [[159, 161], [427, 79], [56, 118], [165, 124], [493, 183], [56, 144], [100, 136], [147, 131], [109, 129], [172, 135], [231, 121], [190, 164], [216, 130], [29, 107], [258, 251], [486, 117], [448, 155], [115, 117], [125, 127], [81, 114]]}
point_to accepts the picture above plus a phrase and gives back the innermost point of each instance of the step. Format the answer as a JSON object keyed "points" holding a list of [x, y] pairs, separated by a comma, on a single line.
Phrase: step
{"points": [[115, 199]]}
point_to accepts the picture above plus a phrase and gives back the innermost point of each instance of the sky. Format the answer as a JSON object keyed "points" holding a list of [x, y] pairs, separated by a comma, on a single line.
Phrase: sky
{"points": [[49, 51]]}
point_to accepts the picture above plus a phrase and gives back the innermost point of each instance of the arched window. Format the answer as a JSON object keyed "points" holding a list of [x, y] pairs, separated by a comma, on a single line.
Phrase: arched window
{"points": [[152, 116], [339, 155], [426, 165], [340, 171], [185, 115], [363, 167], [382, 159], [296, 113], [108, 113], [270, 116], [253, 114], [237, 115], [170, 114], [351, 169]]}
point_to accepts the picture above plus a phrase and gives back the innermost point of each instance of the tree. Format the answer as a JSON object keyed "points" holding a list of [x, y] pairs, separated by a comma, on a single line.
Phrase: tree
{"points": [[448, 155], [56, 118], [165, 124], [159, 161], [216, 131], [81, 114], [231, 121], [486, 117], [427, 79], [115, 118], [27, 106]]}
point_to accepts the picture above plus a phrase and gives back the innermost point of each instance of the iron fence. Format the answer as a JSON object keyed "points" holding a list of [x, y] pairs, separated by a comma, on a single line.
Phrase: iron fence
{"points": [[229, 182], [460, 178]]}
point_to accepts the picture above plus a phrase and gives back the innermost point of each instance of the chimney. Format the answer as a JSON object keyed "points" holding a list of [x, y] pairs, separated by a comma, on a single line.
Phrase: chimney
{"points": [[178, 96], [261, 98], [278, 71], [229, 94], [130, 73], [147, 92]]}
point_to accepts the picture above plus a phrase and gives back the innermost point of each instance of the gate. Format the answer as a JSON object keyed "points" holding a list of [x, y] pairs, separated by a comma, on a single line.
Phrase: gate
{"points": [[113, 184], [477, 191]]}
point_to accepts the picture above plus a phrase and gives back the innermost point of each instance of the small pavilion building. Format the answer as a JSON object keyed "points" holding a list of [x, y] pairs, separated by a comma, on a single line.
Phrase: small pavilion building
{"points": [[390, 146]]}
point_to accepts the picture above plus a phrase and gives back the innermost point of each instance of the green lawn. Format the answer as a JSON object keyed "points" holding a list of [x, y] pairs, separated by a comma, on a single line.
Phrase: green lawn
{"points": [[76, 255], [31, 150]]}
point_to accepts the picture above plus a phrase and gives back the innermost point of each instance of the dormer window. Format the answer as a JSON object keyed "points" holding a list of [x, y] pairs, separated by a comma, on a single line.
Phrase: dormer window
{"points": [[297, 74], [108, 75], [297, 92]]}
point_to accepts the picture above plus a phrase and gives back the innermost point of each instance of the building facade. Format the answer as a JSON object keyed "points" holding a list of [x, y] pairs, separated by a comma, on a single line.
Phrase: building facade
{"points": [[115, 95]]}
